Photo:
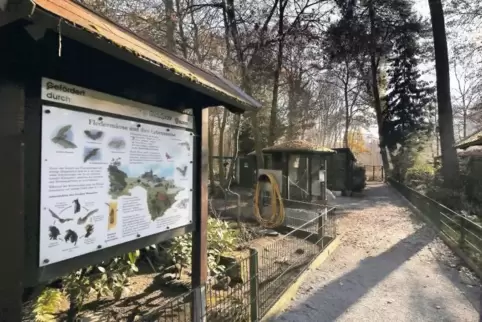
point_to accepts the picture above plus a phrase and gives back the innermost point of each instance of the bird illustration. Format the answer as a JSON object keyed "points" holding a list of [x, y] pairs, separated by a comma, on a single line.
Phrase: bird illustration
{"points": [[58, 218], [117, 144], [168, 156], [94, 135], [71, 236], [76, 206], [61, 138], [185, 144], [183, 170], [91, 154], [54, 233], [83, 220], [89, 230]]}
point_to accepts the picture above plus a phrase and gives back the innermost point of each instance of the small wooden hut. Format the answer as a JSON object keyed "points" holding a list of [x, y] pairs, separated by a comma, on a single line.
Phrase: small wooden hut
{"points": [[300, 162]]}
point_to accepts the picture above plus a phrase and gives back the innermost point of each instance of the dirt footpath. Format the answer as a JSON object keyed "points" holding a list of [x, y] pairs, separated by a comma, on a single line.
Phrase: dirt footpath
{"points": [[389, 267]]}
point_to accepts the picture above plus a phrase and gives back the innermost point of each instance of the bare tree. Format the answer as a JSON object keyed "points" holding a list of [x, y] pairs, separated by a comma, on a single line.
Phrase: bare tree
{"points": [[450, 165], [467, 91]]}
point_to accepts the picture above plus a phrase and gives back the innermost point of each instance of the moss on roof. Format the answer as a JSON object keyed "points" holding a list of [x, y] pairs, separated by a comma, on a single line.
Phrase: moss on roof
{"points": [[298, 146], [471, 140]]}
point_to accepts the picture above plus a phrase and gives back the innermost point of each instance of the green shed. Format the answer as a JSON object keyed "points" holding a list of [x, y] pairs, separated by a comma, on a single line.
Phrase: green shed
{"points": [[300, 162]]}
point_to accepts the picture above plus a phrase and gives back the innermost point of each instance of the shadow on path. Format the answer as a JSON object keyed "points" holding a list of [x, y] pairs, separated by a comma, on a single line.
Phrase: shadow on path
{"points": [[332, 303]]}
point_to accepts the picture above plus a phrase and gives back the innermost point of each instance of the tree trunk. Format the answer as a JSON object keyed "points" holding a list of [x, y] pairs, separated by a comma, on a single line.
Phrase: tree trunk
{"points": [[170, 26], [210, 152], [347, 113], [246, 82], [450, 165], [222, 128], [184, 43], [279, 62], [233, 165], [375, 90]]}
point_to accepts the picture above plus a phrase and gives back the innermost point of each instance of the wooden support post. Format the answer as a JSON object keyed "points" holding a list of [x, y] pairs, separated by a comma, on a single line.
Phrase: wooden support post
{"points": [[200, 214], [12, 205], [310, 177], [321, 218], [253, 284]]}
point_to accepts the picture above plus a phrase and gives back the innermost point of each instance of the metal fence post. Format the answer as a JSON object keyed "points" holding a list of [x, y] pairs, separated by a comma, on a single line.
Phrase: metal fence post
{"points": [[462, 232], [254, 284], [321, 225]]}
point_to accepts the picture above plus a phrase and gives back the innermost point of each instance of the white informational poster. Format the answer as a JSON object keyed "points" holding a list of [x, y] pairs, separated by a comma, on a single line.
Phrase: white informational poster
{"points": [[107, 180]]}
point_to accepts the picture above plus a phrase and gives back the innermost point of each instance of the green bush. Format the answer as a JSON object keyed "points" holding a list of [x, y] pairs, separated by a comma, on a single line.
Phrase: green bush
{"points": [[47, 305], [419, 174], [221, 239]]}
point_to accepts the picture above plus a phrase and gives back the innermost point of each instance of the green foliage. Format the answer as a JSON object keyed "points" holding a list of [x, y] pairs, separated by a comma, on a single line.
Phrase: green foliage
{"points": [[419, 173], [221, 239], [409, 98], [412, 154], [109, 278], [47, 305]]}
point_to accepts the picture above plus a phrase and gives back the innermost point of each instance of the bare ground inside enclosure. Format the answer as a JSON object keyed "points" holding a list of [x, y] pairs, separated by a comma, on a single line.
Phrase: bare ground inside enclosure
{"points": [[390, 266]]}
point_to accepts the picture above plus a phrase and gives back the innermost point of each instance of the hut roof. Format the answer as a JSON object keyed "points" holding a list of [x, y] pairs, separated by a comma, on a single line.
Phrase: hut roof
{"points": [[88, 27], [475, 151], [348, 151], [471, 140], [298, 146]]}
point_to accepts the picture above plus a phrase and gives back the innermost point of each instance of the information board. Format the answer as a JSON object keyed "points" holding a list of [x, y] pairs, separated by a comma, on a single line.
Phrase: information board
{"points": [[108, 180]]}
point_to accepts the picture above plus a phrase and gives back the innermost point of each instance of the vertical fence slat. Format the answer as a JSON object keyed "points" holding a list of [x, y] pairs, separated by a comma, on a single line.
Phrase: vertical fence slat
{"points": [[254, 284]]}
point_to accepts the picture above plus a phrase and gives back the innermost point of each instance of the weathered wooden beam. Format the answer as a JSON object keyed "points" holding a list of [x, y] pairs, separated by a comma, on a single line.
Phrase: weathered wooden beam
{"points": [[12, 199], [200, 214]]}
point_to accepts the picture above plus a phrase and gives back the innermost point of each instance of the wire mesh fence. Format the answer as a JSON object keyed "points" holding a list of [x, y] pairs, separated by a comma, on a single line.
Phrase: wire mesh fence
{"points": [[281, 262], [459, 229], [261, 277], [225, 299]]}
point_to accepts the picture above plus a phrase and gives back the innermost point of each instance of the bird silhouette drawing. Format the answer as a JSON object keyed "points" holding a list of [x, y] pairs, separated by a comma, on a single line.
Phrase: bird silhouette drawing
{"points": [[58, 218], [182, 170], [83, 220], [71, 236], [168, 156], [89, 229], [76, 206], [91, 154], [94, 135], [186, 145], [54, 233]]}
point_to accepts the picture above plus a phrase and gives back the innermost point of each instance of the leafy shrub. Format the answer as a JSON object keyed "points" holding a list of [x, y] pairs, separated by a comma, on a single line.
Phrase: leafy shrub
{"points": [[221, 239], [419, 173], [109, 278], [47, 305]]}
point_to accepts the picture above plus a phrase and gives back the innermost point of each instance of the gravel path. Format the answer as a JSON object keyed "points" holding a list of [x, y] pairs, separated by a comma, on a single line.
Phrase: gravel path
{"points": [[389, 267]]}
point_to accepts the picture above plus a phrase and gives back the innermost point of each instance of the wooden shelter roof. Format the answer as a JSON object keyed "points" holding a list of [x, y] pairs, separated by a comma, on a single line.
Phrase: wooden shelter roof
{"points": [[71, 14], [471, 140], [299, 146]]}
